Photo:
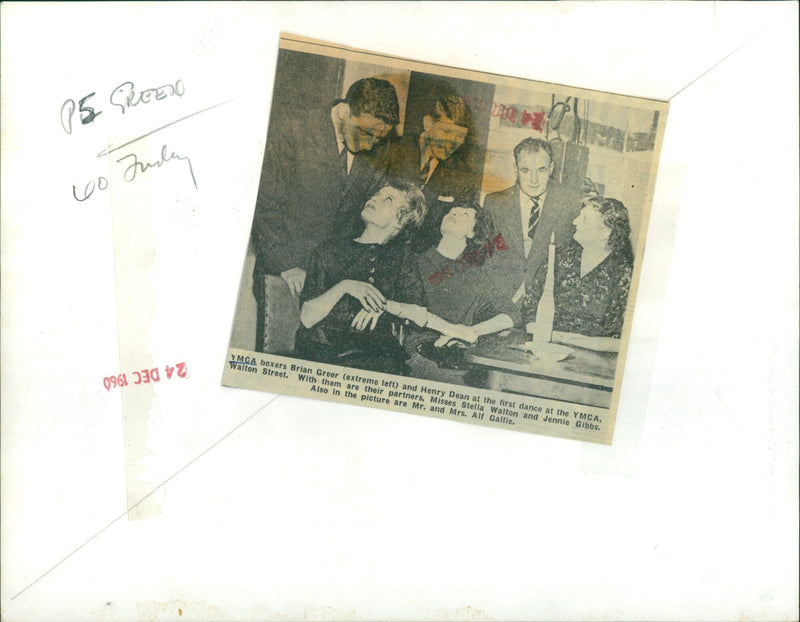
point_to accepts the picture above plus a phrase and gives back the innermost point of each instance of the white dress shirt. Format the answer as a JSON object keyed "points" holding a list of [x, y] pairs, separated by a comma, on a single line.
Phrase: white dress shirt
{"points": [[337, 117], [427, 154]]}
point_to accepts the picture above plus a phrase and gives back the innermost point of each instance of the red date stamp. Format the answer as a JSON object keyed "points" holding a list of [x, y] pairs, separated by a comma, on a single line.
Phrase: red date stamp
{"points": [[470, 260], [146, 376], [508, 114]]}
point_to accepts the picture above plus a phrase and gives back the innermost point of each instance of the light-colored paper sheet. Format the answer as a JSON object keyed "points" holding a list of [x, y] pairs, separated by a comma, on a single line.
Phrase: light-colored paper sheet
{"points": [[250, 506]]}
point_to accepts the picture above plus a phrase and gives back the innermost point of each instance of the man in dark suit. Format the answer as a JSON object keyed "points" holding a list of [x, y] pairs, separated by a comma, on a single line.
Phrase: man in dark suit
{"points": [[526, 214], [318, 171], [439, 161]]}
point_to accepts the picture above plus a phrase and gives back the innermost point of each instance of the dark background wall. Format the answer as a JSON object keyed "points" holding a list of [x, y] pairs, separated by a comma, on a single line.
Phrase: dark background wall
{"points": [[305, 84]]}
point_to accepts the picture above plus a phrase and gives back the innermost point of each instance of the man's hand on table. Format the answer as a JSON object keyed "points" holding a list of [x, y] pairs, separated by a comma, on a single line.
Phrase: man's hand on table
{"points": [[295, 278]]}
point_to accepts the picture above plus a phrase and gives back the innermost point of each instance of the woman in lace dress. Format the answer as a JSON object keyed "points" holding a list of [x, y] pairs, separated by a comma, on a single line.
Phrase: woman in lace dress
{"points": [[592, 278]]}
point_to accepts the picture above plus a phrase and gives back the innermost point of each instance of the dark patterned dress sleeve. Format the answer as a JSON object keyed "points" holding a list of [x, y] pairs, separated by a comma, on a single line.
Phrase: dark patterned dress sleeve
{"points": [[593, 304], [614, 315]]}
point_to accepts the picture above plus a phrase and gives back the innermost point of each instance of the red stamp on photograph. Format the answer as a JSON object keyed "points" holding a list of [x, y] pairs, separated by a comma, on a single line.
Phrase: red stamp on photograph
{"points": [[145, 376], [471, 259]]}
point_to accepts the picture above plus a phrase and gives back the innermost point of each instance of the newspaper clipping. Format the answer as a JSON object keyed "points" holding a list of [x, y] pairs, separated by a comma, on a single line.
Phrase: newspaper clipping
{"points": [[445, 242]]}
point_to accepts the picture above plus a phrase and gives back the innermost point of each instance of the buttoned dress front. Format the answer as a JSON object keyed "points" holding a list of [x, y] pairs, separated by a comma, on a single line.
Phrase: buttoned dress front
{"points": [[391, 268]]}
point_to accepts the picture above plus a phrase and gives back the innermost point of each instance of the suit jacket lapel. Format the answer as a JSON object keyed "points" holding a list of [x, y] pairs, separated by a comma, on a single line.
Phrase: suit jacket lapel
{"points": [[548, 218], [356, 172], [513, 224], [330, 149], [438, 177], [366, 171]]}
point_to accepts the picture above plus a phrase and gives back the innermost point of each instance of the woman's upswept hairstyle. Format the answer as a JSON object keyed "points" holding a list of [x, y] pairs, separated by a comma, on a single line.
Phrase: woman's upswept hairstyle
{"points": [[412, 214], [615, 217]]}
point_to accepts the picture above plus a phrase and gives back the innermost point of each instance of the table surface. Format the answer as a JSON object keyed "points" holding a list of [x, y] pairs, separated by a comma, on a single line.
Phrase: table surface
{"points": [[583, 366]]}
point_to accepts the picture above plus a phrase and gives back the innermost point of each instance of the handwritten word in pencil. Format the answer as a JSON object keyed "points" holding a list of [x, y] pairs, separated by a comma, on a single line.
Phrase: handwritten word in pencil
{"points": [[123, 96], [91, 185], [137, 166], [146, 376], [471, 259], [133, 166], [86, 113]]}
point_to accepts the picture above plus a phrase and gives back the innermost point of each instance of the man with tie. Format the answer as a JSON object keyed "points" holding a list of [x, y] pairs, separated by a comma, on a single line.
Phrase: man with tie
{"points": [[439, 162], [319, 169], [526, 214]]}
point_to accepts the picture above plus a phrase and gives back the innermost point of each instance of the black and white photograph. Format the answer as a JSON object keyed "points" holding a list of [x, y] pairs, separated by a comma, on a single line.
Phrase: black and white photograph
{"points": [[443, 242]]}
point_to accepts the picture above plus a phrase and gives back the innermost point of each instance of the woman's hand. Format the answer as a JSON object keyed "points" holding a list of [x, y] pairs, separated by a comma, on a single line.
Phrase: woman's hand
{"points": [[415, 313], [366, 318], [318, 308], [368, 295], [462, 332], [442, 341]]}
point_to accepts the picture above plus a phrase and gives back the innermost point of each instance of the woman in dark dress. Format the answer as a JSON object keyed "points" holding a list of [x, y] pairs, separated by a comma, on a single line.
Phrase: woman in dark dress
{"points": [[349, 281], [457, 287]]}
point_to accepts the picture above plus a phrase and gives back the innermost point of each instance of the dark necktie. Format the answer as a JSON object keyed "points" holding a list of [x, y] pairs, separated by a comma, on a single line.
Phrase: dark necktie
{"points": [[343, 161], [536, 211], [424, 172]]}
